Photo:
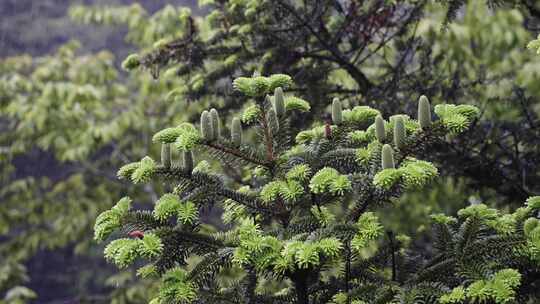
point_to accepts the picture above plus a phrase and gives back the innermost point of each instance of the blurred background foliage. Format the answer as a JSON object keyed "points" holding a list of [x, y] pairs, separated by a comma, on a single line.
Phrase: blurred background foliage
{"points": [[70, 116]]}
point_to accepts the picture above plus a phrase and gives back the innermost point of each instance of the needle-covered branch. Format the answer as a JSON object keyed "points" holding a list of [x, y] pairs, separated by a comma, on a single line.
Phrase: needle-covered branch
{"points": [[308, 216]]}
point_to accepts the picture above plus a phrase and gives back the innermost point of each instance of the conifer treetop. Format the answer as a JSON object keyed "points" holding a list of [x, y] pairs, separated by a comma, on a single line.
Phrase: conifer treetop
{"points": [[308, 207]]}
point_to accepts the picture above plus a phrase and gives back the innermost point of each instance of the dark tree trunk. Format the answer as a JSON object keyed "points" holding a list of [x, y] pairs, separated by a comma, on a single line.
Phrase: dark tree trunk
{"points": [[300, 285]]}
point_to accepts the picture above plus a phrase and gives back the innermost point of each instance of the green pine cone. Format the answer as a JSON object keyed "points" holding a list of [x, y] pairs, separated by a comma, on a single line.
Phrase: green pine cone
{"points": [[387, 157], [279, 102], [529, 225], [166, 155], [216, 124], [207, 131], [236, 132], [424, 112], [188, 161], [379, 128], [273, 122], [399, 132], [337, 111]]}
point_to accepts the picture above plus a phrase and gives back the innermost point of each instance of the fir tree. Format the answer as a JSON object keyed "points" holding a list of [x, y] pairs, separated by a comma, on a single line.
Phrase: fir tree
{"points": [[478, 59], [304, 220]]}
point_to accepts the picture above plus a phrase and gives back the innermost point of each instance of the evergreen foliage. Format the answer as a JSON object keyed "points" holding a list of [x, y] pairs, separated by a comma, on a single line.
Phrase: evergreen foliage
{"points": [[70, 118], [306, 223]]}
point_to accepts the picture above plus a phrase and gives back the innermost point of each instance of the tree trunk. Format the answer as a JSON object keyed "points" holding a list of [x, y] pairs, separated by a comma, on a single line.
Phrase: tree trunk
{"points": [[300, 285]]}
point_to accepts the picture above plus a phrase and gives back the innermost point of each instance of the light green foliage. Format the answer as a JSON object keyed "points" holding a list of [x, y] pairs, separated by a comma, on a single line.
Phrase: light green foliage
{"points": [[280, 81], [363, 155], [271, 191], [323, 215], [294, 211], [500, 288], [360, 115], [176, 288], [503, 224], [443, 219], [57, 102], [500, 39], [533, 202], [456, 118], [369, 229], [534, 45], [19, 294], [168, 205], [412, 175], [314, 134], [299, 173], [188, 138], [168, 135], [126, 170], [287, 190], [165, 25], [110, 220], [417, 173], [147, 271], [55, 120], [150, 246], [411, 125], [144, 171], [342, 298], [251, 114], [329, 180], [232, 211], [254, 247], [187, 212], [304, 255], [123, 252], [330, 247], [480, 211], [79, 117], [359, 137], [456, 296], [261, 86], [529, 225], [293, 103]]}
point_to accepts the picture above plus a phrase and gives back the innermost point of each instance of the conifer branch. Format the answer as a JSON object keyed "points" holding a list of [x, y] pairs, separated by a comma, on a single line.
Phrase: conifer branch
{"points": [[206, 180], [237, 153]]}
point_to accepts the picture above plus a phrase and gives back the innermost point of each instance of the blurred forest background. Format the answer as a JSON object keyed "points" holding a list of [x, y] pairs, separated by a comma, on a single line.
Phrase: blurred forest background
{"points": [[58, 274], [39, 27], [58, 159]]}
